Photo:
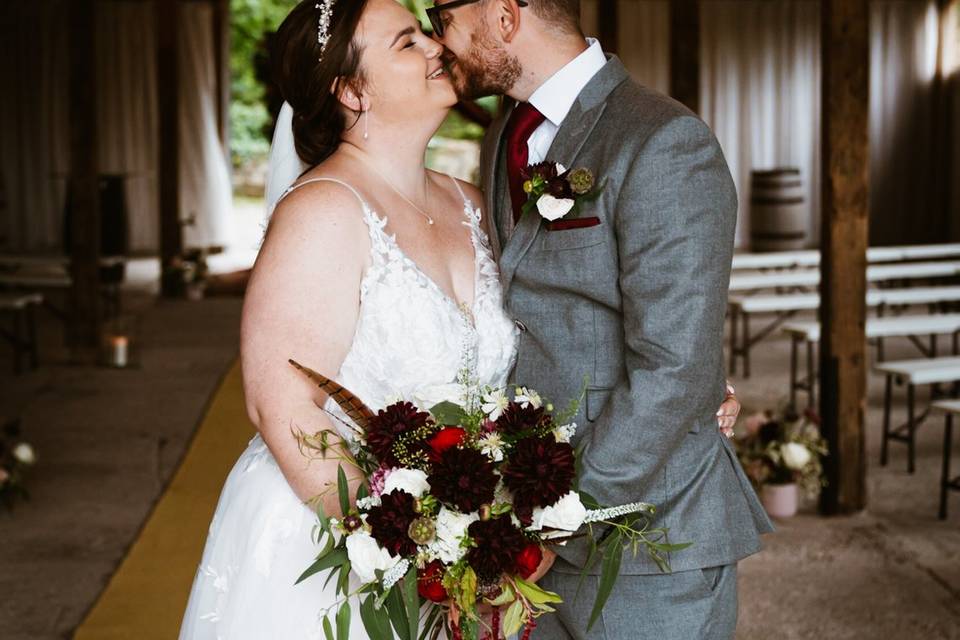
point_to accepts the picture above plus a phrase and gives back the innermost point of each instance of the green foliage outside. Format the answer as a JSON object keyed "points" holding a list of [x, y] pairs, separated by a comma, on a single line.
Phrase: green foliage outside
{"points": [[250, 120]]}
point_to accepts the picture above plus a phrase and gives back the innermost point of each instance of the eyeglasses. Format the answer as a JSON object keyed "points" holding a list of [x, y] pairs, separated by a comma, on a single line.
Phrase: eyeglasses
{"points": [[436, 20]]}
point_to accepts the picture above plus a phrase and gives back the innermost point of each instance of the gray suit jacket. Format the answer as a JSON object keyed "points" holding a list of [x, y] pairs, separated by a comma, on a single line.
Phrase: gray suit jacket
{"points": [[636, 305]]}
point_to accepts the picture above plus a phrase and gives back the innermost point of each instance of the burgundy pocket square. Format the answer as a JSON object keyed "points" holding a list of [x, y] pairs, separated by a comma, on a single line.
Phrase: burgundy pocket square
{"points": [[573, 223]]}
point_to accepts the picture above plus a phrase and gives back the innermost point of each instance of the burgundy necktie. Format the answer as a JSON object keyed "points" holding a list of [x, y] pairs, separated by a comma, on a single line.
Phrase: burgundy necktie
{"points": [[523, 122]]}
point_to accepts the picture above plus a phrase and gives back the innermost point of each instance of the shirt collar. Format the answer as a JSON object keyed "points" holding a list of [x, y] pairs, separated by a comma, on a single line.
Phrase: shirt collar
{"points": [[555, 97]]}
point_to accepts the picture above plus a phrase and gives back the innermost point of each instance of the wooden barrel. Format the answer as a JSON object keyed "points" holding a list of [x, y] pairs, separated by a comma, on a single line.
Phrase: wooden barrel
{"points": [[778, 212]]}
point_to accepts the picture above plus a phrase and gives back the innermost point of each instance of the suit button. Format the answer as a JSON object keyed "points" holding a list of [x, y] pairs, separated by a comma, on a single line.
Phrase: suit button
{"points": [[520, 325]]}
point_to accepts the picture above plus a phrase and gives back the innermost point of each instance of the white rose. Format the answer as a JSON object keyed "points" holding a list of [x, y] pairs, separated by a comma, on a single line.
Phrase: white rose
{"points": [[795, 455], [451, 528], [413, 481], [554, 208], [367, 557], [429, 397], [567, 514], [24, 453]]}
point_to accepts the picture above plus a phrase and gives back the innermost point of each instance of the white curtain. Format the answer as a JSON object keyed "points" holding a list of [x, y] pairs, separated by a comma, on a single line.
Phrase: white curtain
{"points": [[206, 199], [760, 92], [33, 132], [904, 38], [34, 122]]}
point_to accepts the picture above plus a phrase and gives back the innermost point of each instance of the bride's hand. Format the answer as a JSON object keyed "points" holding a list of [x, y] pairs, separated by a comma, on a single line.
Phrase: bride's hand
{"points": [[545, 563], [728, 412]]}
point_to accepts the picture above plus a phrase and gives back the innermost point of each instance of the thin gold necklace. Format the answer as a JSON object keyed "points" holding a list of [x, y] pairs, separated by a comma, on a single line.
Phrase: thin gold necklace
{"points": [[399, 193]]}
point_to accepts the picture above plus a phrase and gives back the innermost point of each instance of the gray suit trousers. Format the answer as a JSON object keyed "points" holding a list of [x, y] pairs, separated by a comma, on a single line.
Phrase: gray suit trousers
{"points": [[700, 604]]}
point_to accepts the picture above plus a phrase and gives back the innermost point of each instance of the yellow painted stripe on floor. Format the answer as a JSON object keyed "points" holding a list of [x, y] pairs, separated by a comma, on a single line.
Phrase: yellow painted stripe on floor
{"points": [[147, 595]]}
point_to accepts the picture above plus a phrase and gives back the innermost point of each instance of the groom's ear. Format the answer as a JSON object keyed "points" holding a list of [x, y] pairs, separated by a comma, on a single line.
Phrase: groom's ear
{"points": [[507, 14]]}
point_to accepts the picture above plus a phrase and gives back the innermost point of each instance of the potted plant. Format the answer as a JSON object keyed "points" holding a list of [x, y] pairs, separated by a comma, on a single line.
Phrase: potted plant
{"points": [[781, 453], [15, 457], [188, 271]]}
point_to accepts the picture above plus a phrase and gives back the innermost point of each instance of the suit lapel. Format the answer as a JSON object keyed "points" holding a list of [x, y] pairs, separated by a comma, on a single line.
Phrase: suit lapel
{"points": [[571, 137], [491, 183]]}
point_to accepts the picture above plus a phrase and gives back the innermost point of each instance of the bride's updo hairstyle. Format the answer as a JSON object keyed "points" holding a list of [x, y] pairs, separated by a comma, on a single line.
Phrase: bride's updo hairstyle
{"points": [[310, 84]]}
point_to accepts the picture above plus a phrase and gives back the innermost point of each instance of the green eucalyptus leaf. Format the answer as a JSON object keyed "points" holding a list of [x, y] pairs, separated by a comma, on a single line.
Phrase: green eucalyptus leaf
{"points": [[343, 584], [343, 489], [398, 614], [343, 621], [411, 601], [332, 559], [506, 596], [327, 628], [609, 571], [375, 621]]}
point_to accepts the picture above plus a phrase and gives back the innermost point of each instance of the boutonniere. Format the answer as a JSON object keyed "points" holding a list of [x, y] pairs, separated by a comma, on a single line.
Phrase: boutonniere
{"points": [[556, 191]]}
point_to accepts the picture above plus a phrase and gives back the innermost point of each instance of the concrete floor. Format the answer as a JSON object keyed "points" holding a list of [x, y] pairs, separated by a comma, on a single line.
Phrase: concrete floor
{"points": [[109, 440]]}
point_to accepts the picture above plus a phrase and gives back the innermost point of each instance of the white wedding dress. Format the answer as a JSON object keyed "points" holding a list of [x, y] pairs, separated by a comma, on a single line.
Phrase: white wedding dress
{"points": [[411, 340]]}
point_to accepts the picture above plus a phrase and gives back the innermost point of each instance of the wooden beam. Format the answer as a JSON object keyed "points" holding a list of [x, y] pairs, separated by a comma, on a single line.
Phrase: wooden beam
{"points": [[607, 25], [843, 347], [168, 93], [221, 53], [83, 185], [685, 52]]}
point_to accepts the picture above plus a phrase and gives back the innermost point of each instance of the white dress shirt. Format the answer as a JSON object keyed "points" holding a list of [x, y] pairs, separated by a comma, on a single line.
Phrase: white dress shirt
{"points": [[555, 97]]}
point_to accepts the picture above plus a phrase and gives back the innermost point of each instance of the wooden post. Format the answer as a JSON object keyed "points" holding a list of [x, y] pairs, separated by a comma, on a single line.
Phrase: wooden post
{"points": [[685, 52], [168, 92], [843, 348], [221, 52], [83, 185], [607, 30]]}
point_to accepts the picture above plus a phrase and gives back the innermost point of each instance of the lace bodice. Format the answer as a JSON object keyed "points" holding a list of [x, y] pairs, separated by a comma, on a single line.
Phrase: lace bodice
{"points": [[413, 341]]}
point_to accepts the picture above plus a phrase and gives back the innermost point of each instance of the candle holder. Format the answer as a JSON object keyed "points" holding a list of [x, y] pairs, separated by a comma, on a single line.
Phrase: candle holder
{"points": [[119, 347]]}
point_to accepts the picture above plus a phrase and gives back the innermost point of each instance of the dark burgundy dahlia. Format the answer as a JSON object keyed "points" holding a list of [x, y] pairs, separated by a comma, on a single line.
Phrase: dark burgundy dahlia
{"points": [[545, 170], [497, 544], [388, 425], [540, 472], [390, 523], [517, 418], [464, 478]]}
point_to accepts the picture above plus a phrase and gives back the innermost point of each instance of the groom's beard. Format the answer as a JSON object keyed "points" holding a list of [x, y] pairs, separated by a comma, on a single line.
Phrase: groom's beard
{"points": [[485, 70]]}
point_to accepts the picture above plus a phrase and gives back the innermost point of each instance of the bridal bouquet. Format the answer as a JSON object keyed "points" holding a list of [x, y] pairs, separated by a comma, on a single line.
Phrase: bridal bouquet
{"points": [[457, 506]]}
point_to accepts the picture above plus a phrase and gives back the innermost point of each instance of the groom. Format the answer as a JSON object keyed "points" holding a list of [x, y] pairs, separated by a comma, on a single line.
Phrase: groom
{"points": [[630, 292]]}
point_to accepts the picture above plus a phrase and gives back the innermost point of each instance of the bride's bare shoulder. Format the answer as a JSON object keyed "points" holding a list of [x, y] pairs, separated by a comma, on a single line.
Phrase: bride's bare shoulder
{"points": [[318, 208]]}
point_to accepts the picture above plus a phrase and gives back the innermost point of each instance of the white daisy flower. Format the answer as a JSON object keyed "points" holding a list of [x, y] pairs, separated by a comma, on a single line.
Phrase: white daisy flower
{"points": [[565, 433], [494, 403], [491, 445], [528, 397]]}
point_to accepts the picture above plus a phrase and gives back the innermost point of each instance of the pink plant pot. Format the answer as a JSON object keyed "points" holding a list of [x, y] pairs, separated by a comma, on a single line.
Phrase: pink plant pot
{"points": [[780, 500]]}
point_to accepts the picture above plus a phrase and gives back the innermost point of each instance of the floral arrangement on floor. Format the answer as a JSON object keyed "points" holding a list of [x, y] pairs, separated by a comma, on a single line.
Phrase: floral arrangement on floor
{"points": [[15, 457], [456, 509], [779, 448]]}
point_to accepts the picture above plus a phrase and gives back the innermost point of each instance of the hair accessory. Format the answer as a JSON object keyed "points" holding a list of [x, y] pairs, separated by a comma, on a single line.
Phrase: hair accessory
{"points": [[323, 28]]}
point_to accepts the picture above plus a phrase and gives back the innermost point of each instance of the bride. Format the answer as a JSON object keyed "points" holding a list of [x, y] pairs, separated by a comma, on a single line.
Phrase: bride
{"points": [[373, 268]]}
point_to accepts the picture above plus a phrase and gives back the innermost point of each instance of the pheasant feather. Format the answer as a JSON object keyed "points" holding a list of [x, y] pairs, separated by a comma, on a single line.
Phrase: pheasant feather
{"points": [[353, 406]]}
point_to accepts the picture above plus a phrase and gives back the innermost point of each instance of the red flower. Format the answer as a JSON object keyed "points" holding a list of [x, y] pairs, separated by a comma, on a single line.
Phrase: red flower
{"points": [[430, 582], [528, 560], [446, 438]]}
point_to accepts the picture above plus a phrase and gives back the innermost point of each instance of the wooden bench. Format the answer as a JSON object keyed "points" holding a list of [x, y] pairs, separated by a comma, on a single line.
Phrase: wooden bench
{"points": [[913, 373], [742, 307], [806, 278], [910, 327], [22, 336], [811, 258], [949, 408]]}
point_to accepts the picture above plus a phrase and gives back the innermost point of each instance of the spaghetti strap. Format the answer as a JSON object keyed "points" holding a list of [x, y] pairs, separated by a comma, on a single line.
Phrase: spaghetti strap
{"points": [[466, 200], [294, 187]]}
